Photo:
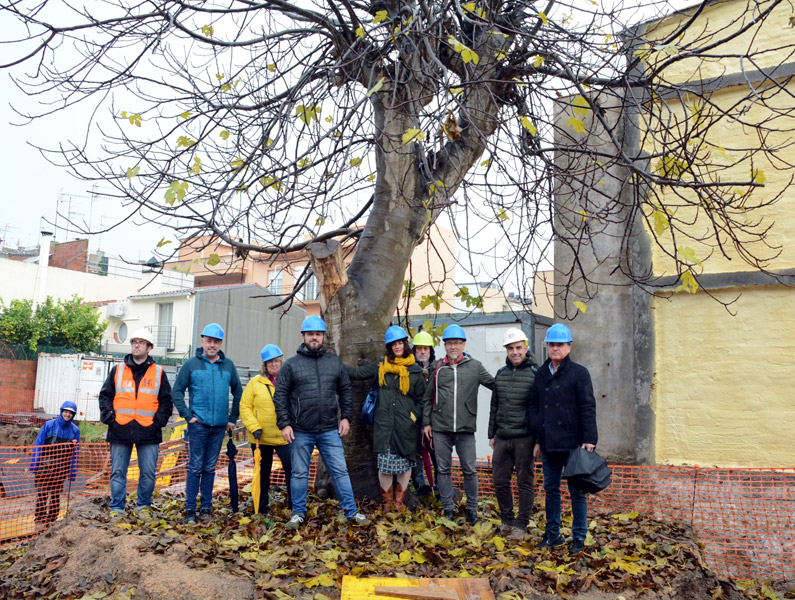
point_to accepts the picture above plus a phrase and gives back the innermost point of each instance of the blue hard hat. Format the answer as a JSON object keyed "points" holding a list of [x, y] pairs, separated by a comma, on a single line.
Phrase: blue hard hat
{"points": [[454, 332], [271, 351], [313, 323], [558, 333], [395, 333], [69, 405], [213, 330]]}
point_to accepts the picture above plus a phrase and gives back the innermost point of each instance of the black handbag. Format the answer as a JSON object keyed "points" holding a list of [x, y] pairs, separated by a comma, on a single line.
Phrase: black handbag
{"points": [[587, 471], [368, 408]]}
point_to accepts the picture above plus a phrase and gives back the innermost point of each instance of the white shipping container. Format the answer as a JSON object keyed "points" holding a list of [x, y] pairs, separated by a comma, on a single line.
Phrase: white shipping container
{"points": [[75, 377]]}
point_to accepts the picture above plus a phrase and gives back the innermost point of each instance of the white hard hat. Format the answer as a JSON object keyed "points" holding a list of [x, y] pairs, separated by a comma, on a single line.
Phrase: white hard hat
{"points": [[142, 334], [514, 334]]}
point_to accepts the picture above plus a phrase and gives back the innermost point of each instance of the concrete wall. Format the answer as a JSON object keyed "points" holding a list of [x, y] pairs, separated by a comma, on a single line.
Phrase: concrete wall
{"points": [[248, 321], [612, 337]]}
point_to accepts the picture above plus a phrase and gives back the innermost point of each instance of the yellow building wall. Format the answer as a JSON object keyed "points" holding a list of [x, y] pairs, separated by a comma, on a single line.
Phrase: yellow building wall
{"points": [[724, 386]]}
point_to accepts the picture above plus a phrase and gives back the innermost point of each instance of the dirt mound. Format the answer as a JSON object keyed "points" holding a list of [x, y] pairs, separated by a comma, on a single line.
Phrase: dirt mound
{"points": [[17, 435], [239, 556], [86, 553]]}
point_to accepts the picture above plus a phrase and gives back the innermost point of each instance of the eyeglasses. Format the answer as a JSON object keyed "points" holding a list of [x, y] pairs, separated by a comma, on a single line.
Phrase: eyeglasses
{"points": [[139, 343]]}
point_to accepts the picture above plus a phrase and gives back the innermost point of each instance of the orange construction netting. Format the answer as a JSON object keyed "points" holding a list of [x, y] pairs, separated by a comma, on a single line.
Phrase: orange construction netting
{"points": [[745, 518]]}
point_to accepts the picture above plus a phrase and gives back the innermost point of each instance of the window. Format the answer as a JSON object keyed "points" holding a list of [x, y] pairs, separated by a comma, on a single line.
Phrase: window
{"points": [[122, 335], [164, 331], [311, 291], [275, 282]]}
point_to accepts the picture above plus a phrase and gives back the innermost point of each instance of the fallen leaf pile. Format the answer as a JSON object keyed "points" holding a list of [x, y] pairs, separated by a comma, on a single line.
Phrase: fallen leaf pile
{"points": [[626, 554]]}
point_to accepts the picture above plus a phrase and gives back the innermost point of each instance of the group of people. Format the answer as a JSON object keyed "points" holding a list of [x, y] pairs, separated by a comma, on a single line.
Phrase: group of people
{"points": [[425, 409]]}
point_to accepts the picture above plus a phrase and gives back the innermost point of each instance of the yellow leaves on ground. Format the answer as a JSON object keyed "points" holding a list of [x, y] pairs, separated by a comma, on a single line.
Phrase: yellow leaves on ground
{"points": [[176, 192], [625, 516], [307, 113], [324, 580], [413, 134], [467, 54], [528, 125]]}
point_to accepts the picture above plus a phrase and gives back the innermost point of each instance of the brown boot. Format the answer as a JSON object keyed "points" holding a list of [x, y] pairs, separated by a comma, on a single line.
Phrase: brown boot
{"points": [[386, 496], [400, 495]]}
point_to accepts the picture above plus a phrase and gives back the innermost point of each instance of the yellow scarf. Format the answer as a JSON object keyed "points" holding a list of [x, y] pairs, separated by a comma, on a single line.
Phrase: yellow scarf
{"points": [[397, 366]]}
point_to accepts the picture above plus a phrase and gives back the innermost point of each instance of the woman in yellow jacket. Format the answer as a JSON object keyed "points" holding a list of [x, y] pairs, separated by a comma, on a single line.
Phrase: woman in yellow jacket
{"points": [[259, 418]]}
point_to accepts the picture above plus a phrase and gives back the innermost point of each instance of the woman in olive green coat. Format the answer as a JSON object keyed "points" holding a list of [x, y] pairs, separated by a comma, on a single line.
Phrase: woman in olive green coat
{"points": [[397, 414]]}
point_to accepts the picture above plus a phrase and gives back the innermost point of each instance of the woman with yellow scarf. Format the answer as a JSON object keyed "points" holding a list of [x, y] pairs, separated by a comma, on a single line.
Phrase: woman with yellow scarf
{"points": [[397, 414]]}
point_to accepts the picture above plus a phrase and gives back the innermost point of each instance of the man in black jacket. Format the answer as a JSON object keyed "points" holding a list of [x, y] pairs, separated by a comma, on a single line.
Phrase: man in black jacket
{"points": [[510, 434], [313, 387], [135, 404], [563, 412]]}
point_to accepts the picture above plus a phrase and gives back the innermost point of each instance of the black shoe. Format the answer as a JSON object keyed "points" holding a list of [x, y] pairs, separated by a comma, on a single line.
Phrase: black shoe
{"points": [[190, 519], [549, 542], [576, 546], [449, 514], [472, 517]]}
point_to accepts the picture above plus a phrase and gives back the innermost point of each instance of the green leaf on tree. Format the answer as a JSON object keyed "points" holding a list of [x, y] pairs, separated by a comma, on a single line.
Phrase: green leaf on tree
{"points": [[176, 192]]}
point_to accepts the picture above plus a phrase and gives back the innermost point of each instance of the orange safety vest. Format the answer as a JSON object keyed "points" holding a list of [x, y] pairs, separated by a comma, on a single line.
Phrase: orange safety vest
{"points": [[142, 406]]}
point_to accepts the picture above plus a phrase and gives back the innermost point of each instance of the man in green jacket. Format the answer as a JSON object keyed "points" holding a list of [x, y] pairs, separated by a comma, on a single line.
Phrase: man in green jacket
{"points": [[450, 411], [509, 432]]}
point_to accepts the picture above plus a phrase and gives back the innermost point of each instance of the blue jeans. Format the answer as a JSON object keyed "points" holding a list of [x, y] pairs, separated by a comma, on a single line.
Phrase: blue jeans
{"points": [[204, 446], [553, 463], [329, 444], [119, 463], [464, 443]]}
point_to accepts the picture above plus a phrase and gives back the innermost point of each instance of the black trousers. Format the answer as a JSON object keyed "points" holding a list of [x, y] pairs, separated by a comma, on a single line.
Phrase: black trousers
{"points": [[283, 452]]}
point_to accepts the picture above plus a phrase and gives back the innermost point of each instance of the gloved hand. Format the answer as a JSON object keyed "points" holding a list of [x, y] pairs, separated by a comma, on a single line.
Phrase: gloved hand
{"points": [[257, 434]]}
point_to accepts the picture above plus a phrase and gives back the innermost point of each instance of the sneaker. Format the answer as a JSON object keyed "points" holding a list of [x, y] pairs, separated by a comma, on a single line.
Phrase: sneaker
{"points": [[472, 516], [205, 516], [551, 542], [576, 546], [359, 519], [295, 521], [190, 518], [449, 514]]}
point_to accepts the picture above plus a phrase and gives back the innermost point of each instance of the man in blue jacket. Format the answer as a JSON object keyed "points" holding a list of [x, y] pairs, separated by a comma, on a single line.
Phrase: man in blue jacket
{"points": [[209, 376], [312, 390], [563, 413], [54, 459]]}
